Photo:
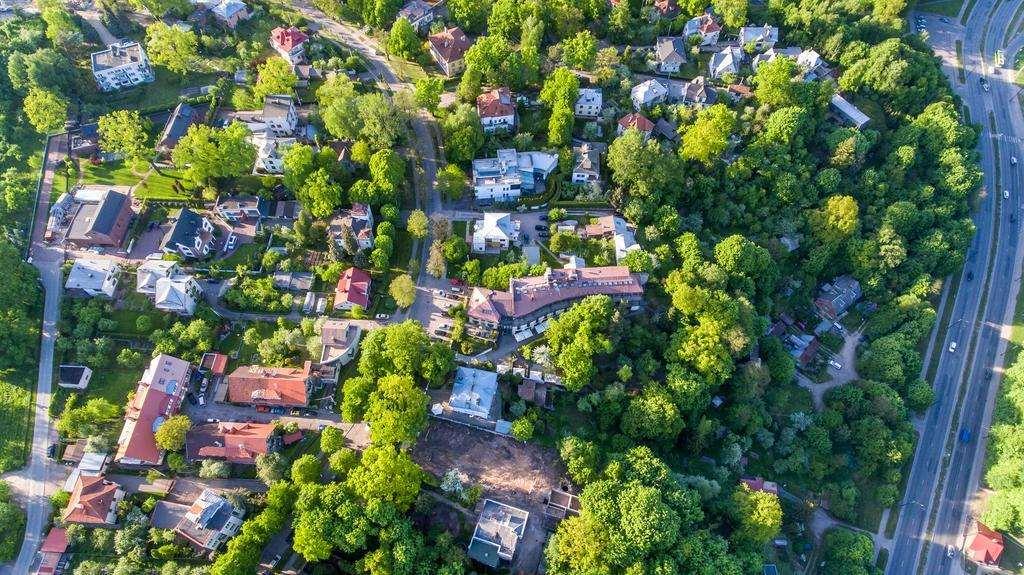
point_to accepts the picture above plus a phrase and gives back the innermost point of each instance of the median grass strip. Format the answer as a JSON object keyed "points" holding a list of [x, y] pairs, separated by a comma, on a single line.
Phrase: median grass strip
{"points": [[940, 336], [960, 75], [967, 12], [1014, 25]]}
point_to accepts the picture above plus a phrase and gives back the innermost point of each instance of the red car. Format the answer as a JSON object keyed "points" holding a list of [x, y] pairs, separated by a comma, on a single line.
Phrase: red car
{"points": [[262, 408], [456, 282]]}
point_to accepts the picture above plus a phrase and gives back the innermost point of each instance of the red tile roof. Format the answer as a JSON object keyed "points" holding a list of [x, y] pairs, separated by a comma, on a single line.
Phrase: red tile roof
{"points": [[665, 7], [56, 541], [157, 397], [354, 288], [236, 442], [287, 38], [495, 103], [986, 546], [215, 362], [636, 120], [760, 484], [291, 438], [450, 44], [284, 386], [91, 500]]}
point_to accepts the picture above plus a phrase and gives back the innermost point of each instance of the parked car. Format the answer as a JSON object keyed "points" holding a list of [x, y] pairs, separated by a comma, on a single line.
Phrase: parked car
{"points": [[202, 400], [544, 234], [540, 227], [296, 412], [382, 316], [191, 397], [212, 420], [835, 364], [310, 413], [950, 551], [275, 560], [455, 289], [952, 347], [232, 240], [456, 282], [51, 451], [277, 410], [262, 408]]}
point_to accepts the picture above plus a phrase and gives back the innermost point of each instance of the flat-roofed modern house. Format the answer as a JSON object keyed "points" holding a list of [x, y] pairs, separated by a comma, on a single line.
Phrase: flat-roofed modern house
{"points": [[271, 386], [511, 174], [157, 397], [210, 521], [498, 531], [121, 65], [280, 115], [102, 216], [340, 340], [475, 393], [74, 377], [93, 278], [530, 302], [447, 48], [241, 207], [190, 235], [589, 103], [495, 232]]}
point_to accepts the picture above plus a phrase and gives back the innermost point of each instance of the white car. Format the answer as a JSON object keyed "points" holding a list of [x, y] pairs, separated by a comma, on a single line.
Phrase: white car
{"points": [[1013, 160], [835, 364], [232, 240], [952, 347], [1006, 194], [950, 551], [382, 316]]}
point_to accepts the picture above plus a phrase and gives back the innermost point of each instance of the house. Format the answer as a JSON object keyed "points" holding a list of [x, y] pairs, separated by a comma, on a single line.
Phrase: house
{"points": [[703, 26], [50, 560], [151, 270], [497, 110], [531, 301], [760, 484], [836, 297], [121, 65], [93, 502], [177, 294], [157, 397], [271, 386], [589, 103], [772, 53], [475, 393], [353, 289], [761, 38], [229, 12], [190, 235], [234, 442], [419, 13], [74, 376], [647, 94], [666, 129], [241, 207], [586, 164], [986, 545], [356, 224], [665, 8], [812, 64], [290, 43], [849, 112], [89, 465], [93, 278], [293, 281], [497, 533], [340, 340], [279, 115], [496, 231], [102, 215], [85, 141], [210, 521], [305, 73], [447, 48], [695, 92], [725, 62], [214, 363], [177, 125], [637, 121], [740, 92], [802, 347], [512, 173], [615, 229], [669, 54], [269, 152]]}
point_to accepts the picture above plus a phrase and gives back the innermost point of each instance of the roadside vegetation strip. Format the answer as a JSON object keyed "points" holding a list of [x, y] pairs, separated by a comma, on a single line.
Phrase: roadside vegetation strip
{"points": [[961, 76], [943, 327], [944, 7], [1014, 25], [967, 12], [961, 389]]}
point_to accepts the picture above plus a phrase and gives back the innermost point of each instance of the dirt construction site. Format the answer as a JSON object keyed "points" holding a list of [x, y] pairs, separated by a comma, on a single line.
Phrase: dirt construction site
{"points": [[510, 472]]}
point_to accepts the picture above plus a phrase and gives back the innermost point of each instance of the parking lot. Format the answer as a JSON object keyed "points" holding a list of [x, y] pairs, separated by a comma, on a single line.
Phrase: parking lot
{"points": [[439, 324]]}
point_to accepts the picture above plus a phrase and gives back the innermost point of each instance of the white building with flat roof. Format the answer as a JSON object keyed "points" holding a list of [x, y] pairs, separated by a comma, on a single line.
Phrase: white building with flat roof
{"points": [[495, 232], [511, 173], [93, 278], [589, 103], [121, 65], [475, 393]]}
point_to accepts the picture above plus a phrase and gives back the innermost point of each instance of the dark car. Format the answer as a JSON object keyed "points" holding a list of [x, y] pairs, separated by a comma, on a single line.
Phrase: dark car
{"points": [[277, 410], [51, 451], [970, 276], [543, 218], [540, 227], [191, 397], [543, 234], [262, 408], [311, 413]]}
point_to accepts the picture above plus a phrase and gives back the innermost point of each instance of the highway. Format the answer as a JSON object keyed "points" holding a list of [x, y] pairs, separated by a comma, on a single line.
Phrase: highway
{"points": [[935, 509]]}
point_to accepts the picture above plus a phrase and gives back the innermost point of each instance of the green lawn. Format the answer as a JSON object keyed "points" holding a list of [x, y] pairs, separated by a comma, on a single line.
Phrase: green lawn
{"points": [[154, 185], [248, 254], [15, 417], [113, 384], [160, 187], [159, 95], [109, 173], [945, 7]]}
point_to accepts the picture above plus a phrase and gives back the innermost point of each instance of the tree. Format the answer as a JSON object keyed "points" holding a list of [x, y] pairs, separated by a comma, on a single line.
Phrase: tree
{"points": [[403, 290], [172, 47], [522, 428], [463, 134], [396, 411], [417, 224], [270, 467], [46, 111], [402, 40], [339, 107], [319, 195], [126, 132], [207, 153], [707, 139], [580, 51], [759, 514], [386, 475], [577, 335], [470, 15], [837, 221], [774, 83], [60, 26], [436, 265], [171, 433], [212, 469], [331, 439], [306, 469], [849, 553], [299, 162], [428, 91], [275, 76], [733, 12], [455, 249], [383, 124], [652, 416], [451, 182], [388, 171]]}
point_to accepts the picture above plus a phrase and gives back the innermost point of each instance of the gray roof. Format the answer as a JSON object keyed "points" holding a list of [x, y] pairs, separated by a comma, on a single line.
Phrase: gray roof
{"points": [[277, 106], [176, 126], [587, 160], [117, 55], [98, 217], [243, 201], [186, 227], [670, 49]]}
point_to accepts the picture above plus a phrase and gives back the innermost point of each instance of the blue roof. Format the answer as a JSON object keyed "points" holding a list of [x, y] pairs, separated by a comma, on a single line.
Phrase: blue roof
{"points": [[770, 569]]}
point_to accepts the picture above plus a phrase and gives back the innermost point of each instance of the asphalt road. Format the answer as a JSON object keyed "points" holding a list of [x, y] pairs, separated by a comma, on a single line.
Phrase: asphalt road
{"points": [[973, 328]]}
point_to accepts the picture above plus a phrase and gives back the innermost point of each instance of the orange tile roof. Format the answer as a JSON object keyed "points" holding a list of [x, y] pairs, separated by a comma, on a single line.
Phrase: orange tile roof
{"points": [[495, 103], [636, 120], [215, 362], [91, 500], [450, 44], [157, 397], [986, 546], [285, 386], [236, 442]]}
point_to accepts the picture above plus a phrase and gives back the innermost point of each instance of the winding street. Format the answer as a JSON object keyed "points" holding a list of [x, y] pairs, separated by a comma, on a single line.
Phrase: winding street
{"points": [[946, 471]]}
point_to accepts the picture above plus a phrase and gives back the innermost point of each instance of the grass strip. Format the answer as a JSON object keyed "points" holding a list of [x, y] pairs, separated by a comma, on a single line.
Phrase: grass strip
{"points": [[1015, 24], [960, 75], [940, 337], [967, 12]]}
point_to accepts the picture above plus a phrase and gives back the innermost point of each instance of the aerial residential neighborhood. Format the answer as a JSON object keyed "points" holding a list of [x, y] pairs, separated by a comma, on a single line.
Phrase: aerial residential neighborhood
{"points": [[511, 287]]}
